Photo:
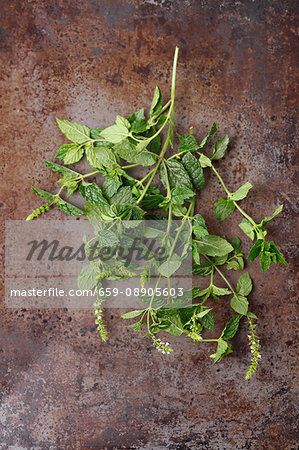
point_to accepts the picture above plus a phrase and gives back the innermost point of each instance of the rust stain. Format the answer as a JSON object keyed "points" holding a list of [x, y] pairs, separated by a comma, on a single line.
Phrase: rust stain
{"points": [[61, 387]]}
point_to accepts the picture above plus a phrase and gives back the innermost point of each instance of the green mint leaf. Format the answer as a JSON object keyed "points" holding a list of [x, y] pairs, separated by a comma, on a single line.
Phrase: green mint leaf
{"points": [[171, 325], [67, 173], [222, 348], [237, 244], [64, 149], [239, 304], [99, 157], [73, 131], [220, 147], [168, 268], [213, 245], [178, 211], [220, 260], [132, 314], [195, 254], [241, 192], [196, 292], [71, 186], [68, 208], [73, 155], [209, 136], [152, 200], [110, 186], [107, 238], [247, 228], [279, 256], [205, 161], [138, 122], [136, 213], [187, 142], [236, 264], [152, 233], [123, 197], [91, 156], [201, 314], [265, 261], [141, 146], [156, 106], [153, 145], [194, 170], [46, 195], [87, 277], [145, 158], [208, 321], [199, 227], [231, 328], [128, 151], [244, 284], [203, 269], [180, 194], [223, 209], [136, 326], [267, 219], [92, 193], [255, 250], [95, 133], [161, 120], [251, 315], [94, 215], [178, 177], [116, 133], [122, 122], [220, 291]]}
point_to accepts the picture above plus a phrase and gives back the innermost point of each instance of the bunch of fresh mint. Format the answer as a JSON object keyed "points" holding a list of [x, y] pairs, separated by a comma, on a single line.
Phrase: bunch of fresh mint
{"points": [[136, 141]]}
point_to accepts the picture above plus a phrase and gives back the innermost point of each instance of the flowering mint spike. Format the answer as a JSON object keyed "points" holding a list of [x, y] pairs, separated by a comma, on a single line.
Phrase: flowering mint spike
{"points": [[254, 347], [98, 311]]}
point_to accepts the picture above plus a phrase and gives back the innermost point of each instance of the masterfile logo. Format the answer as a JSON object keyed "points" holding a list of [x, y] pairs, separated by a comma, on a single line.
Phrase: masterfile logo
{"points": [[65, 263]]}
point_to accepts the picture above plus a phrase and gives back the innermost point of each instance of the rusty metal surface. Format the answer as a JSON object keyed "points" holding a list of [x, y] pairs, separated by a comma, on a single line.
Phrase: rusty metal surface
{"points": [[61, 387]]}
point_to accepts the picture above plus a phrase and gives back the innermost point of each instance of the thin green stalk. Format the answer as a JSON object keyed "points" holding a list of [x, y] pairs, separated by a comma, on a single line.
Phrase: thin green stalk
{"points": [[90, 174], [177, 154], [57, 195], [169, 197], [143, 138], [154, 171], [180, 229], [145, 178], [169, 219], [225, 279], [164, 148], [130, 166], [234, 202], [148, 183], [220, 179], [162, 110], [149, 308], [167, 180], [221, 274], [175, 62], [211, 284], [212, 276]]}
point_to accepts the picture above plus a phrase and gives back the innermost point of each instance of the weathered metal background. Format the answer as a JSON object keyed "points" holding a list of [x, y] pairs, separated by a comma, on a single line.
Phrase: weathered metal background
{"points": [[61, 387]]}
